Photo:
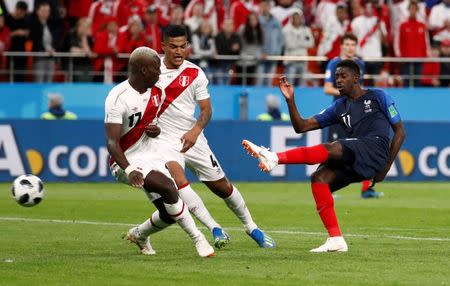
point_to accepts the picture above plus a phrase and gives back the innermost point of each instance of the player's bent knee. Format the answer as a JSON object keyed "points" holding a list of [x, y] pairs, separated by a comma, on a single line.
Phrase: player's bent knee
{"points": [[321, 176], [163, 214]]}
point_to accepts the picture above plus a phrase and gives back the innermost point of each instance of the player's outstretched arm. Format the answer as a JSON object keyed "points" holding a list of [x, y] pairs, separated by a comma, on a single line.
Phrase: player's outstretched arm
{"points": [[190, 137], [113, 131], [300, 124], [397, 141]]}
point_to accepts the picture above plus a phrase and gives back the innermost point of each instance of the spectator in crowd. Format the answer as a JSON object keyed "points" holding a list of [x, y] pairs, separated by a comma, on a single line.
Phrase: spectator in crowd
{"points": [[56, 110], [128, 8], [80, 41], [213, 10], [400, 14], [153, 29], [44, 37], [4, 43], [195, 19], [204, 46], [284, 10], [432, 70], [413, 42], [252, 39], [228, 43], [298, 38], [445, 66], [371, 33], [99, 13], [105, 46], [177, 18], [19, 26], [325, 12], [129, 38], [273, 112], [333, 30], [273, 44], [439, 20], [240, 11]]}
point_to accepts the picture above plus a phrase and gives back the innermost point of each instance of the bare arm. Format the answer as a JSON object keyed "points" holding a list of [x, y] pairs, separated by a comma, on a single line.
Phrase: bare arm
{"points": [[397, 141], [190, 137], [300, 124], [329, 89], [113, 131]]}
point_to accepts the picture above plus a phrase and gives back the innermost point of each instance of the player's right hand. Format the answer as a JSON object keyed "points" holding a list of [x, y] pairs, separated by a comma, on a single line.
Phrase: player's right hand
{"points": [[136, 179], [152, 130], [286, 88]]}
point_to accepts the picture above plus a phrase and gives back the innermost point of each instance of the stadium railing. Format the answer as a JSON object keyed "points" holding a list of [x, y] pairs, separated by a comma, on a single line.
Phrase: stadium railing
{"points": [[67, 69]]}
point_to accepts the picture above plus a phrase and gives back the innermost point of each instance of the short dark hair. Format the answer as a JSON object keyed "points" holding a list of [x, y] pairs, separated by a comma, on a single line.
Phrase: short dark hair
{"points": [[349, 36], [351, 65], [174, 31], [22, 5]]}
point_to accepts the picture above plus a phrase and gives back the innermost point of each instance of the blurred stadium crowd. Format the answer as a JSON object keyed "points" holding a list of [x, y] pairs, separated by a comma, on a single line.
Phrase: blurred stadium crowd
{"points": [[98, 31]]}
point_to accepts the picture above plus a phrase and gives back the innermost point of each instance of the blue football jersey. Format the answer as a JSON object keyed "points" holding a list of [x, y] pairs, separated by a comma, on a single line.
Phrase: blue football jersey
{"points": [[370, 115]]}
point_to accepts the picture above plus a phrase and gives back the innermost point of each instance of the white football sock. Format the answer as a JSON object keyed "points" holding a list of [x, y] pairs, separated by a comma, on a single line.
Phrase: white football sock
{"points": [[152, 225], [237, 204], [180, 213], [197, 207]]}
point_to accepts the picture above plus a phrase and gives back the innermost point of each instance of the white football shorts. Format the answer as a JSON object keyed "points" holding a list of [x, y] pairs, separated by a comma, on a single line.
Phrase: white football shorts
{"points": [[199, 159]]}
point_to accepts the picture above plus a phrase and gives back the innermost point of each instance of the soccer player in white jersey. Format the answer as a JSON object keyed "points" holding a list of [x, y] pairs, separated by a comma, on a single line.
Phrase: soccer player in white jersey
{"points": [[181, 134], [129, 107]]}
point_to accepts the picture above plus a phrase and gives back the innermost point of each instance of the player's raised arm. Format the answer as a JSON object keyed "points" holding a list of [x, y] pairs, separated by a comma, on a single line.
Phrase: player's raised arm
{"points": [[113, 131], [300, 124], [396, 144], [190, 137]]}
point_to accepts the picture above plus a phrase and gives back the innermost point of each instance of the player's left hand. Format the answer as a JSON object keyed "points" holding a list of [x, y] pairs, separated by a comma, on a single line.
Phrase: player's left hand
{"points": [[188, 139], [152, 130]]}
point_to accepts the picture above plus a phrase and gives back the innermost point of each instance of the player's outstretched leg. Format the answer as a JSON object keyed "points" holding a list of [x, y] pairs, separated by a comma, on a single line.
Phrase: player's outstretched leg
{"points": [[301, 155], [235, 202], [199, 210], [325, 208], [196, 205], [178, 210]]}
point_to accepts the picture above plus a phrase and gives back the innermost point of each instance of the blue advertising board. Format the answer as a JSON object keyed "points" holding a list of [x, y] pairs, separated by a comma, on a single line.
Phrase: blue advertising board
{"points": [[29, 101], [74, 151]]}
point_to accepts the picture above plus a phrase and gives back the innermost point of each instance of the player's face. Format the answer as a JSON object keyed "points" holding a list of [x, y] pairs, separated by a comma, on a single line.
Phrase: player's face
{"points": [[349, 48], [175, 50], [345, 80], [151, 71]]}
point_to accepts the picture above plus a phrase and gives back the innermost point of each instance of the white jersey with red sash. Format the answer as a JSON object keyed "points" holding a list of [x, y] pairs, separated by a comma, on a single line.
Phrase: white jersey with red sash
{"points": [[124, 105], [183, 87]]}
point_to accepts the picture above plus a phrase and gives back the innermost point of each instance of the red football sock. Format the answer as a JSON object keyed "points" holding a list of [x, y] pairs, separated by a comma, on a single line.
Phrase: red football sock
{"points": [[365, 185], [304, 155], [325, 208]]}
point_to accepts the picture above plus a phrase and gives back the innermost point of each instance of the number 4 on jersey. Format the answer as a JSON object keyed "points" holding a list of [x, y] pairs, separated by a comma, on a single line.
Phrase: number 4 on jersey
{"points": [[213, 161]]}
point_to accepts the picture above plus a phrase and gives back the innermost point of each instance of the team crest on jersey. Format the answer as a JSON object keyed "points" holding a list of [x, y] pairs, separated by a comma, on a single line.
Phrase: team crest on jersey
{"points": [[155, 100], [367, 107], [184, 80]]}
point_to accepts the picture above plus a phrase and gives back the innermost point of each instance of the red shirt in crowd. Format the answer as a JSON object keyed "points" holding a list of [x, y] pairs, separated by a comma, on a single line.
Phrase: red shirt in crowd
{"points": [[79, 8], [413, 39], [128, 8]]}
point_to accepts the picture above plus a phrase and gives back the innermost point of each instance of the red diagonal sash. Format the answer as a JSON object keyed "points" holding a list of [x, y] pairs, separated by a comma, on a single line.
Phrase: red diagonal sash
{"points": [[177, 86], [133, 135]]}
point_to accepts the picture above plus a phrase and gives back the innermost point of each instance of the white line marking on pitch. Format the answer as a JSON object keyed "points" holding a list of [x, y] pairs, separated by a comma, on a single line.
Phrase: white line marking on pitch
{"points": [[293, 232]]}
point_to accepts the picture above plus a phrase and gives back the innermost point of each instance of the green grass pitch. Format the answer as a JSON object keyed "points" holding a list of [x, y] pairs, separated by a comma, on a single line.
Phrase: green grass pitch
{"points": [[74, 238]]}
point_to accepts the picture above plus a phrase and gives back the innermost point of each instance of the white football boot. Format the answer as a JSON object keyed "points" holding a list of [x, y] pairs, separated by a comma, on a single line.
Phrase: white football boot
{"points": [[267, 159], [333, 244], [134, 236], [203, 247]]}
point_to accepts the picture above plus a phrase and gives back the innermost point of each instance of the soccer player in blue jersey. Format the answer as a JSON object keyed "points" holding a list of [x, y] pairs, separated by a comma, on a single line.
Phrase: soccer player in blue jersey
{"points": [[367, 152], [348, 51]]}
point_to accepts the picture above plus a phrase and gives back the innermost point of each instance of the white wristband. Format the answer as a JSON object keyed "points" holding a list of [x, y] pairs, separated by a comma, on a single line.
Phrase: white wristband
{"points": [[129, 169]]}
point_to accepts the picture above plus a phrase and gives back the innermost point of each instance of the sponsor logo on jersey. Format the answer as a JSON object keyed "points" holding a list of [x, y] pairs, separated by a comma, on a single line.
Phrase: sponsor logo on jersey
{"points": [[367, 107]]}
